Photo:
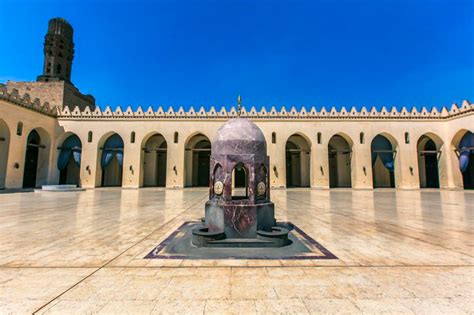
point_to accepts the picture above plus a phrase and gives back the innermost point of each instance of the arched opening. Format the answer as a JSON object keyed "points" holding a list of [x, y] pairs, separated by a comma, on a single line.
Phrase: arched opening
{"points": [[465, 152], [112, 161], [339, 152], [4, 147], [154, 161], [383, 162], [240, 177], [197, 161], [33, 144], [298, 159], [428, 156], [69, 161], [240, 182]]}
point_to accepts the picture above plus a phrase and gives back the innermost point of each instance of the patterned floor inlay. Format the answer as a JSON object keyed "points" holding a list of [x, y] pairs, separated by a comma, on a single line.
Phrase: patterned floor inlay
{"points": [[178, 246]]}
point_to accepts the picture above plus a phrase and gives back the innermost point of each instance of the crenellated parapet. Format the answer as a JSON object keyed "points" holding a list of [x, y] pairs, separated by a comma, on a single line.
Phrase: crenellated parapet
{"points": [[223, 113], [151, 113], [26, 102]]}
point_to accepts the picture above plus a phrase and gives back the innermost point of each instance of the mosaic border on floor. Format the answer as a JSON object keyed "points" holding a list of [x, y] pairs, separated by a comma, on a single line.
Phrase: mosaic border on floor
{"points": [[314, 246]]}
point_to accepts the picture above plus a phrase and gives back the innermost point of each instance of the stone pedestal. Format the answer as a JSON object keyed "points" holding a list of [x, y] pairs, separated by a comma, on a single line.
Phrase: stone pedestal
{"points": [[239, 220]]}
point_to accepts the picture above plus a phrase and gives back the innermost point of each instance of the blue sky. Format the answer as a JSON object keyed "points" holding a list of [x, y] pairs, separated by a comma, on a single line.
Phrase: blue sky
{"points": [[288, 53]]}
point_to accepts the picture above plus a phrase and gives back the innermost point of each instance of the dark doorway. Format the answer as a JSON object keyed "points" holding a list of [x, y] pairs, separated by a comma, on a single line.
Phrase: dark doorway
{"points": [[69, 161], [154, 161], [201, 162], [112, 173], [466, 159], [197, 158], [203, 169], [292, 161], [70, 174], [161, 157], [383, 163], [431, 165], [31, 160], [112, 162], [240, 189], [240, 178], [297, 161], [468, 174], [339, 155]]}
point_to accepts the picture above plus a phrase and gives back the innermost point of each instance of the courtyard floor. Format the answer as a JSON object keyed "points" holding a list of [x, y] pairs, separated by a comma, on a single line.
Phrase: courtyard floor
{"points": [[78, 252]]}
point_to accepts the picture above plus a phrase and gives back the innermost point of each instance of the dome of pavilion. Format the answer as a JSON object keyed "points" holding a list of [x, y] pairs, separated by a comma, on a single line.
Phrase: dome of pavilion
{"points": [[239, 136]]}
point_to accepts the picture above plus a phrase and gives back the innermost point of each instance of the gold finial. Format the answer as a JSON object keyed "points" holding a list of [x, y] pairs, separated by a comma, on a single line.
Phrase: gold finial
{"points": [[239, 107]]}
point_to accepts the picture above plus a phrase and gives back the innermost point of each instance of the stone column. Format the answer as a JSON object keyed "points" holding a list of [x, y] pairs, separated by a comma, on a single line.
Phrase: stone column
{"points": [[443, 166], [90, 164], [53, 171], [16, 161], [175, 176], [131, 164], [361, 166], [277, 154], [453, 173], [408, 166], [320, 163]]}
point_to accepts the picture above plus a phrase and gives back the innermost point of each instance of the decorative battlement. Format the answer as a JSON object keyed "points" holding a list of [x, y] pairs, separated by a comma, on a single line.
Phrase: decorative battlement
{"points": [[26, 102], [312, 114], [223, 114]]}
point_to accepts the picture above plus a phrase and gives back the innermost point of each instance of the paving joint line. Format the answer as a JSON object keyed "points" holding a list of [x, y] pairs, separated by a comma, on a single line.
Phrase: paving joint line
{"points": [[108, 262], [256, 266], [392, 232]]}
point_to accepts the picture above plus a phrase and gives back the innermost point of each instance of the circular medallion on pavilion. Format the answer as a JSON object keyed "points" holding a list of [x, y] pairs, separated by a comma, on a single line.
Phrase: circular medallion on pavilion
{"points": [[261, 189], [218, 188]]}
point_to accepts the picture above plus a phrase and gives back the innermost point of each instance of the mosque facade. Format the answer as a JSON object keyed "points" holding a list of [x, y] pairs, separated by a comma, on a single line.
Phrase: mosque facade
{"points": [[51, 133]]}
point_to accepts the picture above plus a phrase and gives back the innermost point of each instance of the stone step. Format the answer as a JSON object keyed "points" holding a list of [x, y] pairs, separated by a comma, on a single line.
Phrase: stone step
{"points": [[240, 242], [60, 188]]}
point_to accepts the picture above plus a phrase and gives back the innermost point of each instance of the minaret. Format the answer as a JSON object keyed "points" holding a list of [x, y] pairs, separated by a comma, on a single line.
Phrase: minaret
{"points": [[58, 51]]}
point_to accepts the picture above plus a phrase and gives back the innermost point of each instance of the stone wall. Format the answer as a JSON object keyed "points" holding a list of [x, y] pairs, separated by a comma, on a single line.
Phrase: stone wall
{"points": [[14, 142], [182, 130], [57, 93]]}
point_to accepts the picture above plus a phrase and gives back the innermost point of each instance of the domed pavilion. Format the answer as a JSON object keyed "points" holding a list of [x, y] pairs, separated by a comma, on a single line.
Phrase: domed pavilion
{"points": [[239, 211]]}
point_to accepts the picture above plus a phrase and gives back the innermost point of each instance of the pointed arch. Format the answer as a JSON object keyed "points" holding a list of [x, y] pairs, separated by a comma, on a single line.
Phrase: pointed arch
{"points": [[384, 160], [463, 147], [240, 179], [36, 163], [69, 160], [110, 160], [298, 161], [429, 148], [154, 156], [197, 160], [4, 150], [340, 160]]}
